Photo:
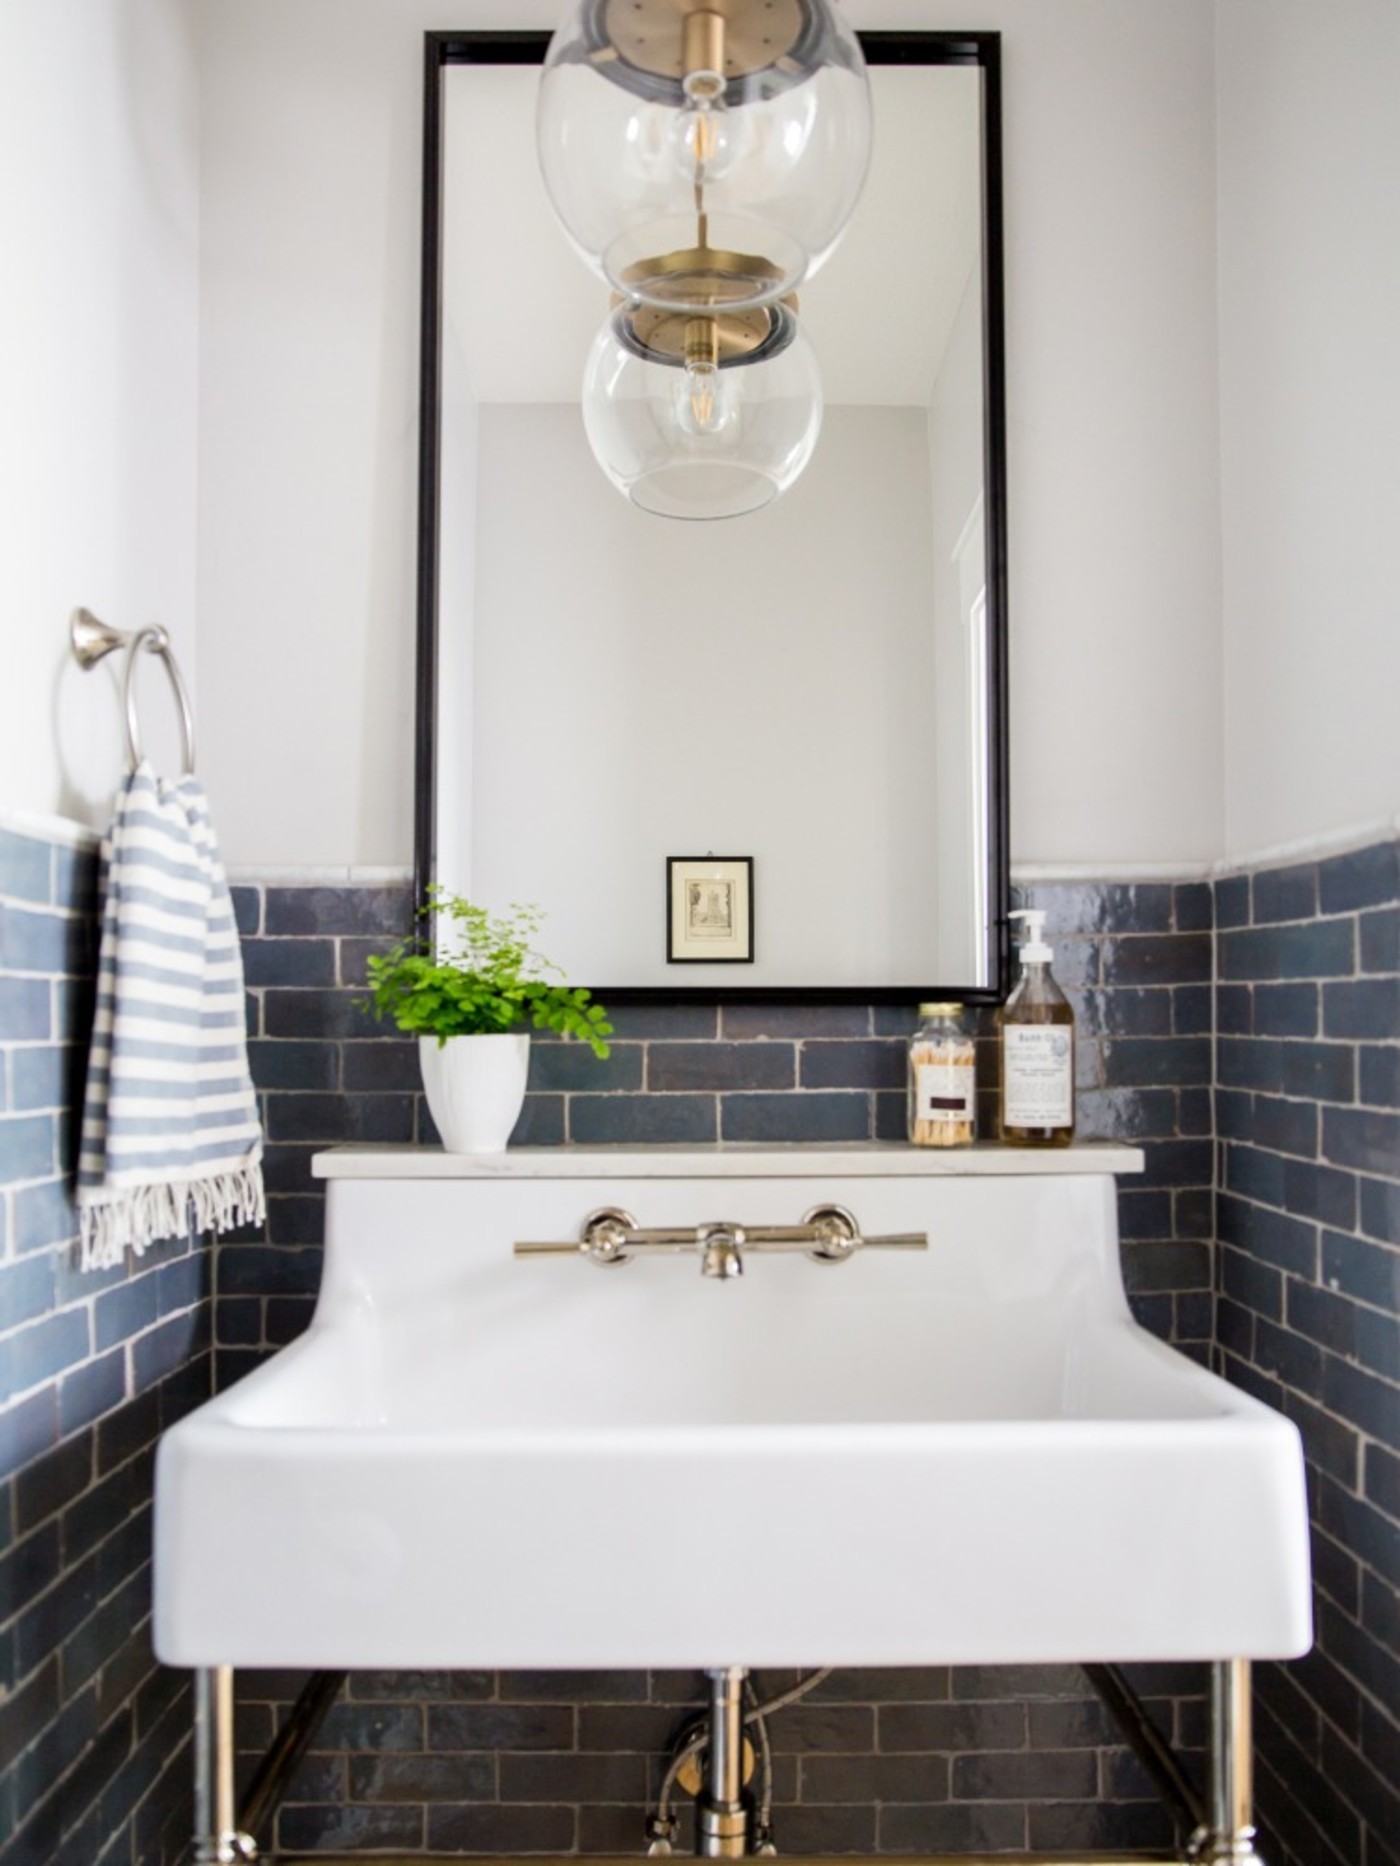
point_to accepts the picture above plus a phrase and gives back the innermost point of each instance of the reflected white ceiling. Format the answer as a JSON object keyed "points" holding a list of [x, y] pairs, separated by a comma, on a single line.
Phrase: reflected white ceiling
{"points": [[523, 308]]}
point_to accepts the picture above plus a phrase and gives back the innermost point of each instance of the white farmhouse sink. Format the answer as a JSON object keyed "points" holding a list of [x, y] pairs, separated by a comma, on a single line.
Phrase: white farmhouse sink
{"points": [[966, 1454]]}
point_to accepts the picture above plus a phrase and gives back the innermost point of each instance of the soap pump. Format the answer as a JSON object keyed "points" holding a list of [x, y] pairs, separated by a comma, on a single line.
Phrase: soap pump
{"points": [[1037, 1048]]}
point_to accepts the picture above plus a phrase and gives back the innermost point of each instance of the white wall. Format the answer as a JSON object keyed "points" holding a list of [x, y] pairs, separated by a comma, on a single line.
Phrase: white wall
{"points": [[1310, 344], [310, 152], [98, 330]]}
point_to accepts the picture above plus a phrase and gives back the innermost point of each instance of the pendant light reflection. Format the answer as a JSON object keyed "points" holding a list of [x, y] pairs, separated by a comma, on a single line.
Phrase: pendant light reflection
{"points": [[683, 144], [702, 416]]}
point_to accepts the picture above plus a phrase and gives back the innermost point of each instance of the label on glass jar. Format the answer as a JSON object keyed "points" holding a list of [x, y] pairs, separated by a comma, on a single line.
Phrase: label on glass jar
{"points": [[1038, 1072], [945, 1092]]}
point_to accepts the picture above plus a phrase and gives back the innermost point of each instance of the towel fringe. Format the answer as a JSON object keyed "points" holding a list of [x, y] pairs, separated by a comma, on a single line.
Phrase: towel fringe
{"points": [[142, 1215]]}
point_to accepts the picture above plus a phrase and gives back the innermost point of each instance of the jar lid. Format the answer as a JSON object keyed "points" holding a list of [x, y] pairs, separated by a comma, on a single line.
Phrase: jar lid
{"points": [[940, 1010]]}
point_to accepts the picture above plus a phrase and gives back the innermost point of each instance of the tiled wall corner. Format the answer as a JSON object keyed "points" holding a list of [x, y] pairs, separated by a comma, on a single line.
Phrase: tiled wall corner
{"points": [[93, 1734], [1308, 1111]]}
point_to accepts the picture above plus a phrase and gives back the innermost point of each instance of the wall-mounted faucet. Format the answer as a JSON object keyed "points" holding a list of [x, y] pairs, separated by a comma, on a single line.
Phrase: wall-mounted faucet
{"points": [[827, 1234]]}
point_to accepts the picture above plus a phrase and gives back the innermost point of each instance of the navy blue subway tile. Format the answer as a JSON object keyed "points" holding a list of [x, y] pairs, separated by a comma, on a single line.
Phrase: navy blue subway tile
{"points": [[32, 940], [319, 1827], [676, 1023], [960, 1827], [1142, 1214], [1329, 1445], [28, 1147], [381, 1066], [337, 1118], [1193, 1212], [289, 962], [1369, 1272], [1278, 1351], [1193, 1010], [1178, 1163], [745, 1022], [44, 1214], [1321, 1192], [1114, 907], [1286, 1010], [287, 1166], [1157, 959], [1250, 1063], [894, 1020], [717, 1066], [868, 1064], [1285, 893], [247, 910], [541, 1123], [290, 1063], [1195, 1111], [319, 1012], [1274, 1237], [123, 1312], [642, 1119], [43, 1076], [1193, 907], [1156, 1062], [1144, 1011], [1283, 1126], [830, 1115], [1320, 1071], [167, 1347], [482, 1827], [1380, 940], [44, 1487], [1234, 1010], [1364, 1008], [892, 1116], [1362, 878], [1382, 1479], [297, 1218], [1347, 1328], [259, 1270], [1313, 949], [1364, 1138], [1125, 1114], [25, 867], [25, 1008], [26, 1290], [332, 910], [1159, 1265], [91, 1390], [354, 956], [1380, 1209], [1256, 1173], [1232, 902], [1380, 1076], [563, 1067], [1353, 1393], [43, 1349]]}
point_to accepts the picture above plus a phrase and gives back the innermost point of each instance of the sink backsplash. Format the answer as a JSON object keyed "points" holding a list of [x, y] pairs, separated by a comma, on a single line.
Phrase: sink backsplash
{"points": [[1267, 1224]]}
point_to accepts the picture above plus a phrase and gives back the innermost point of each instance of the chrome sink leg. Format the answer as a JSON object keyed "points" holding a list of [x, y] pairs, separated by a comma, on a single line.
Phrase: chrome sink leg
{"points": [[216, 1836], [1230, 1838], [723, 1812]]}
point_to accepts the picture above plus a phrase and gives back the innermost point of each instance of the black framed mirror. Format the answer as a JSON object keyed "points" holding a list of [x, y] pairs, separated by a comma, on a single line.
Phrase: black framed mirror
{"points": [[815, 695]]}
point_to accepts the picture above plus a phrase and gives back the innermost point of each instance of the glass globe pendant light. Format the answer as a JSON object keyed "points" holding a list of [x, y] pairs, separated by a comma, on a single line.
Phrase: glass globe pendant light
{"points": [[702, 416], [704, 152]]}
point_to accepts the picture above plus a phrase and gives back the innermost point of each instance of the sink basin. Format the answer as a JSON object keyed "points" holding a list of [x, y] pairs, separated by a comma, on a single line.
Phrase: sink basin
{"points": [[968, 1454]]}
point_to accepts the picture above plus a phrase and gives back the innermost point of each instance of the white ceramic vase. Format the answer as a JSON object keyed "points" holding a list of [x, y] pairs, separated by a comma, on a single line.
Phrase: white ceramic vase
{"points": [[475, 1088]]}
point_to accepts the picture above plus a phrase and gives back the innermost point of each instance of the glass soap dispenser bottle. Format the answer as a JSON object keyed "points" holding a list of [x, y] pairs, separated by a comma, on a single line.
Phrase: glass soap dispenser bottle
{"points": [[942, 1079], [1037, 1049]]}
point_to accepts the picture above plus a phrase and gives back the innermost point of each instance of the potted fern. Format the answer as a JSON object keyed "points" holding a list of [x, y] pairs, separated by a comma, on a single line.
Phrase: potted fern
{"points": [[471, 1004]]}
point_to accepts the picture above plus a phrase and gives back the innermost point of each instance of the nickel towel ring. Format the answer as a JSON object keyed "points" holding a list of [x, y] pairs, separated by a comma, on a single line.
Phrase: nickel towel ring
{"points": [[93, 641]]}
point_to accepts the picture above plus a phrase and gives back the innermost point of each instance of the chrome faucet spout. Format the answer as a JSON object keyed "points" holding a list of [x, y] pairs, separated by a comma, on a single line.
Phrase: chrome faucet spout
{"points": [[721, 1250]]}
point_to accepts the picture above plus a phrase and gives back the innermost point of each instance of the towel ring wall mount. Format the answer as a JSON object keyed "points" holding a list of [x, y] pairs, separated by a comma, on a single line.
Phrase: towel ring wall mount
{"points": [[92, 641]]}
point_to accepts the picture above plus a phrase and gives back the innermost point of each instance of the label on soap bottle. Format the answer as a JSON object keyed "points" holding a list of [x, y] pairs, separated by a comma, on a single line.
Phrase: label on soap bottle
{"points": [[1038, 1065]]}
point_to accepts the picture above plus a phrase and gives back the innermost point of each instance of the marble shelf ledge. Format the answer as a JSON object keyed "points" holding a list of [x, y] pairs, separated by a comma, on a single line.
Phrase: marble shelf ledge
{"points": [[797, 1160]]}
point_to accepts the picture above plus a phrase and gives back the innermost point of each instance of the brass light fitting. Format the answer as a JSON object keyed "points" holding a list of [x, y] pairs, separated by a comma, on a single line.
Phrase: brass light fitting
{"points": [[673, 39]]}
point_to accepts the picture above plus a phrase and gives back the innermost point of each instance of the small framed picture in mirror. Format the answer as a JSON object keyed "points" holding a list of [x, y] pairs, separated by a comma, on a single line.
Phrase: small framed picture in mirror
{"points": [[709, 909]]}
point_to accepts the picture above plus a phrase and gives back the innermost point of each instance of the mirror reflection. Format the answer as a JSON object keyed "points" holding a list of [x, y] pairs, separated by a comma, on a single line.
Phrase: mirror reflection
{"points": [[810, 690]]}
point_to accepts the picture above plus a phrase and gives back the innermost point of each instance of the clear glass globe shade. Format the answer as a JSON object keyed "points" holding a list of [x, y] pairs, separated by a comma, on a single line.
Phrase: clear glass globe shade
{"points": [[779, 161], [684, 444]]}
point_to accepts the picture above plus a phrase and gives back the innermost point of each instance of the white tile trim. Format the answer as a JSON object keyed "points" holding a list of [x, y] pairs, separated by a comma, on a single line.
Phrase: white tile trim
{"points": [[63, 830]]}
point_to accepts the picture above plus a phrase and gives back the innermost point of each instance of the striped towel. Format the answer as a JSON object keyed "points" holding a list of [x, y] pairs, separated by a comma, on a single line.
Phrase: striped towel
{"points": [[170, 1124]]}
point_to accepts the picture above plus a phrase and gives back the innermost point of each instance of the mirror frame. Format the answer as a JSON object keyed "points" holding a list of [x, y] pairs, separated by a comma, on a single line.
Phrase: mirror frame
{"points": [[981, 50]]}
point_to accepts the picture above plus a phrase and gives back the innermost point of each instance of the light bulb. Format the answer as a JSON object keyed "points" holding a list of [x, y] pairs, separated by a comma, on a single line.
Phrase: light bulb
{"points": [[703, 402]]}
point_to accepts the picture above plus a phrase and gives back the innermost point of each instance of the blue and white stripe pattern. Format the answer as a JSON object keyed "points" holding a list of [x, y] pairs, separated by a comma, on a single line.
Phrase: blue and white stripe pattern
{"points": [[170, 1123]]}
